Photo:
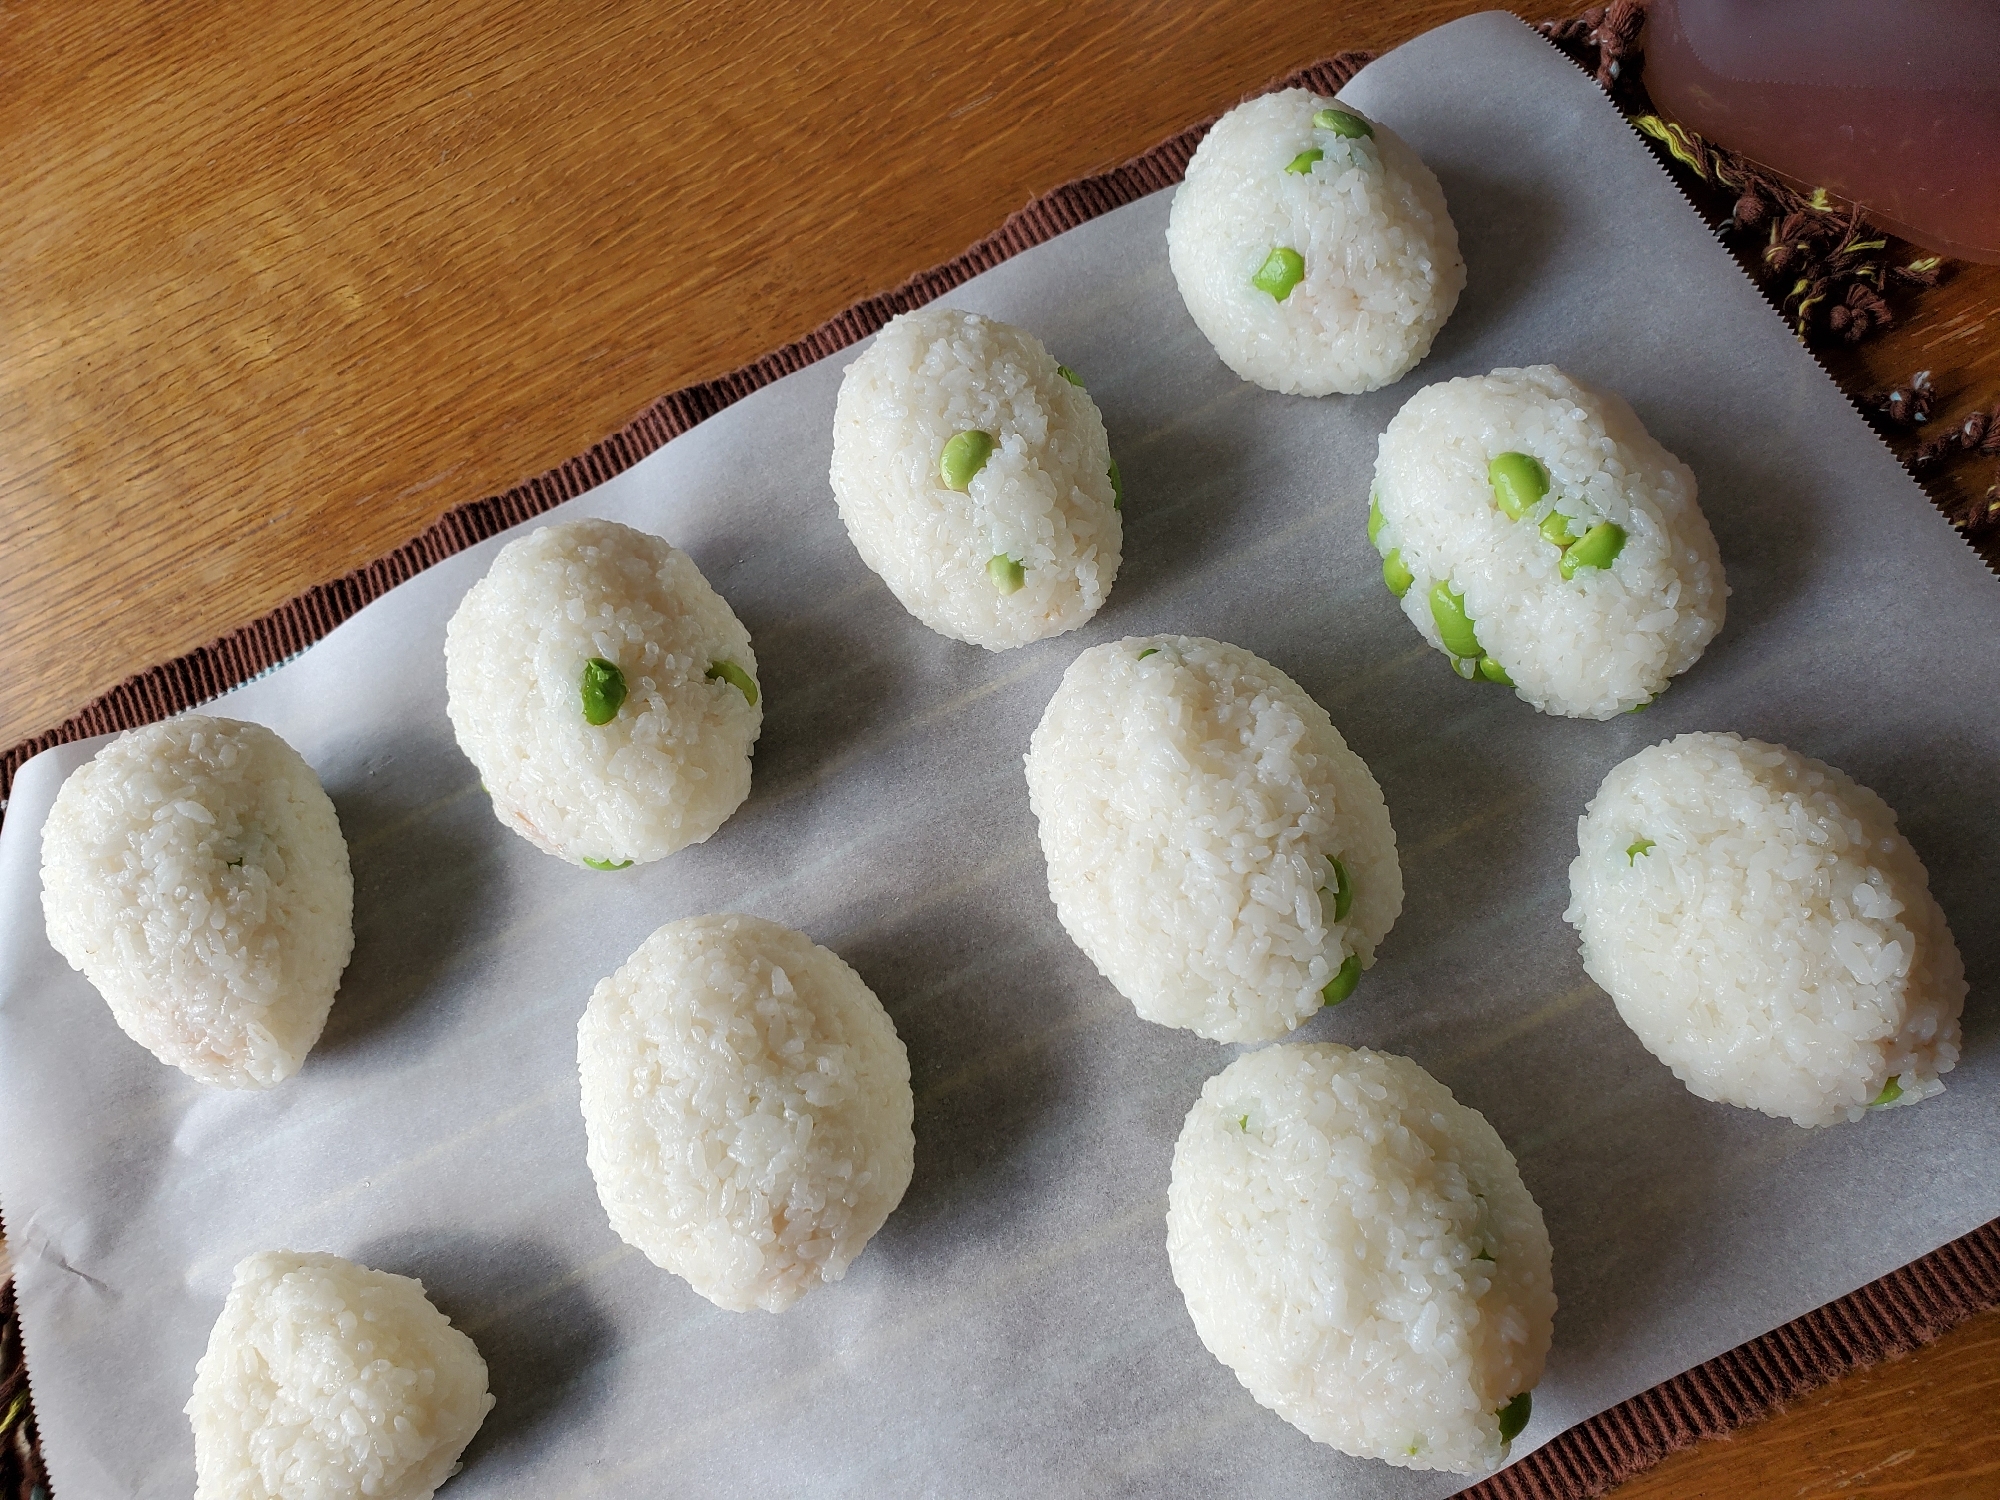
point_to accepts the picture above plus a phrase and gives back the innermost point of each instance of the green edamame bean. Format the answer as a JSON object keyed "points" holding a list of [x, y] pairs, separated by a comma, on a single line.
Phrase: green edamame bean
{"points": [[1282, 270], [1453, 623], [964, 456], [1149, 651], [1117, 485], [1006, 575], [1555, 530], [605, 864], [1341, 123], [1303, 162], [1514, 1416], [1375, 521], [1636, 848], [1070, 375], [1492, 671], [1519, 483], [1343, 982], [1596, 549], [1398, 577], [1343, 892], [1891, 1092], [603, 690], [736, 677]]}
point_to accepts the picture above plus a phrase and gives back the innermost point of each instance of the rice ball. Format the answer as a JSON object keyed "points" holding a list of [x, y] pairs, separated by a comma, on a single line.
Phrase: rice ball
{"points": [[1312, 247], [1541, 539], [747, 1104], [1765, 930], [1213, 846], [975, 478], [607, 694], [1358, 1247], [195, 873], [325, 1380]]}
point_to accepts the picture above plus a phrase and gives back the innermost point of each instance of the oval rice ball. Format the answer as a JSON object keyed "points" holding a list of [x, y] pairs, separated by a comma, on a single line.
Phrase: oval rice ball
{"points": [[1489, 588], [1376, 269], [1213, 845], [671, 762], [326, 1379], [1358, 1247], [1028, 545], [1765, 930], [195, 873], [747, 1104]]}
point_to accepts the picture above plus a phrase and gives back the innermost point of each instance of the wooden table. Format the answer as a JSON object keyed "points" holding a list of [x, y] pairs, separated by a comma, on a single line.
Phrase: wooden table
{"points": [[280, 284]]}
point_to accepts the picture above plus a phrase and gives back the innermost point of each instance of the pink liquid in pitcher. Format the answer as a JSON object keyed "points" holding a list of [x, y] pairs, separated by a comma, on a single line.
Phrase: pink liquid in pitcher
{"points": [[1892, 104]]}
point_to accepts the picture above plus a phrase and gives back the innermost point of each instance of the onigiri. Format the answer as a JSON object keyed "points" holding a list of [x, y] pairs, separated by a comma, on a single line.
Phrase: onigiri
{"points": [[1312, 246], [325, 1380], [1358, 1247], [1541, 539], [195, 873], [975, 477], [1766, 931], [607, 695], [747, 1105], [1213, 846]]}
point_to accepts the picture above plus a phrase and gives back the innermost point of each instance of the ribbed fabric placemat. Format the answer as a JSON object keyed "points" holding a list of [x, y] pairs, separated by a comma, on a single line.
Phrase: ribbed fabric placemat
{"points": [[1901, 1311]]}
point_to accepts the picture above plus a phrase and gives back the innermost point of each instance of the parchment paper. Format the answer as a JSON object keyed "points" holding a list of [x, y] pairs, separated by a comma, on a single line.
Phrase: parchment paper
{"points": [[1014, 1328]]}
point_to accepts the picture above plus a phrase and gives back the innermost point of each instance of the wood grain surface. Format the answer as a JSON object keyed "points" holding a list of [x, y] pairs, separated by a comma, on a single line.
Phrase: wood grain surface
{"points": [[1924, 1427], [280, 284]]}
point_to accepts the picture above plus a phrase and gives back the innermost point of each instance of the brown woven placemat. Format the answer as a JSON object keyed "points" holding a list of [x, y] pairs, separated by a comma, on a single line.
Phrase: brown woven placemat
{"points": [[1900, 1312]]}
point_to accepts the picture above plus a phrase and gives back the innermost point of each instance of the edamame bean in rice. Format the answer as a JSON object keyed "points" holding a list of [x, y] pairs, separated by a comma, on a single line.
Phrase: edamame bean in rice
{"points": [[1359, 1248], [1538, 536], [1766, 931], [1312, 246], [607, 695], [1213, 846], [974, 476]]}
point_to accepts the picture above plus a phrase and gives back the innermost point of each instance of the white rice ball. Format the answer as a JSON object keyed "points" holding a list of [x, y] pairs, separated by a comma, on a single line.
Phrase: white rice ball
{"points": [[747, 1104], [1359, 1248], [325, 1380], [1590, 646], [1029, 546], [195, 873], [672, 763], [1766, 931], [1377, 270], [1213, 845]]}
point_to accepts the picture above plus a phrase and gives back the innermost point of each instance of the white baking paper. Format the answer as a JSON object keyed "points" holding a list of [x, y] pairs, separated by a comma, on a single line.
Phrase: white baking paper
{"points": [[1014, 1329]]}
